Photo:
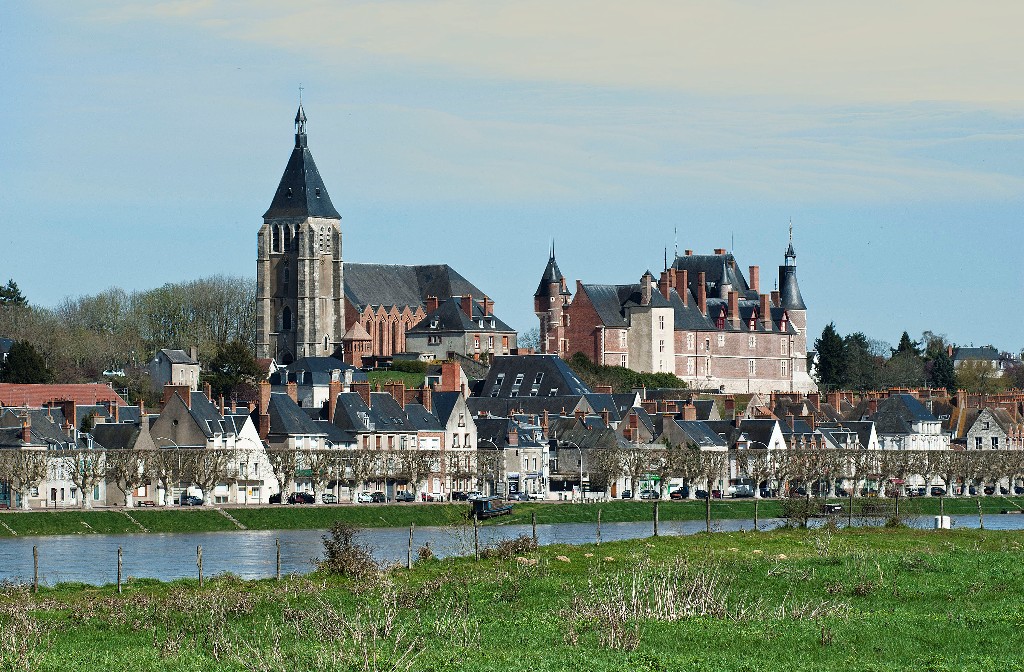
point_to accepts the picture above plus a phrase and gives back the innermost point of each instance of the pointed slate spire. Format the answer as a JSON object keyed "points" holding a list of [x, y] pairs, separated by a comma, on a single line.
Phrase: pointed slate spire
{"points": [[790, 252], [552, 275], [789, 289], [301, 192]]}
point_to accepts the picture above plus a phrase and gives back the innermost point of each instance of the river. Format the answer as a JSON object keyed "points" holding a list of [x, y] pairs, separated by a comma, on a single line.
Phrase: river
{"points": [[92, 559]]}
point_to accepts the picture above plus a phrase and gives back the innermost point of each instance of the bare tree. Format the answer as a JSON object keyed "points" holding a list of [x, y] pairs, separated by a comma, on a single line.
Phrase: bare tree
{"points": [[207, 468], [126, 468], [162, 465], [23, 468], [85, 467], [360, 464], [757, 464], [416, 465], [284, 465]]}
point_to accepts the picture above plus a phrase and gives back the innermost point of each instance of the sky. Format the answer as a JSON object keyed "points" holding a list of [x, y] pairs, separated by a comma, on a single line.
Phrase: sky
{"points": [[140, 144]]}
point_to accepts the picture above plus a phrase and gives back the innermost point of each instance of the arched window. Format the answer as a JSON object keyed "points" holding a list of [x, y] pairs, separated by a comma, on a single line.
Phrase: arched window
{"points": [[285, 277], [288, 237], [286, 319], [276, 234]]}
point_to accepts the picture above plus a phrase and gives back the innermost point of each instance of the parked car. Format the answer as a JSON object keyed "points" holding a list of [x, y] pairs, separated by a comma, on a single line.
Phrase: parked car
{"points": [[679, 493], [627, 494], [518, 497], [537, 495], [301, 498], [405, 496], [649, 494], [1018, 489], [364, 498], [275, 498], [191, 500], [459, 496], [378, 497], [989, 490], [740, 490], [915, 491], [842, 492], [938, 491], [328, 498], [769, 492], [473, 495], [701, 494]]}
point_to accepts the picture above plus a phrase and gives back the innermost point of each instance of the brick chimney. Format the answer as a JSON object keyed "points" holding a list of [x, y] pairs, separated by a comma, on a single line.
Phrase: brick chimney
{"points": [[26, 428], [183, 391], [683, 286], [544, 422], [834, 399], [362, 388], [790, 420], [755, 278], [333, 390], [702, 293], [734, 307], [467, 305], [193, 353], [765, 313], [115, 412], [396, 389], [688, 253], [580, 415], [689, 412], [602, 389], [488, 305], [809, 419], [451, 377], [646, 289], [730, 407], [432, 303], [222, 407], [142, 408], [872, 406], [719, 250], [427, 398], [814, 400], [606, 417], [293, 390], [665, 284], [262, 409], [649, 405], [776, 299], [208, 391]]}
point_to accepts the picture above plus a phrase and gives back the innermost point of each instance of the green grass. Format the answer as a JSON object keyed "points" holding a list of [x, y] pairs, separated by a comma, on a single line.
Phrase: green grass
{"points": [[865, 599], [410, 379], [400, 515]]}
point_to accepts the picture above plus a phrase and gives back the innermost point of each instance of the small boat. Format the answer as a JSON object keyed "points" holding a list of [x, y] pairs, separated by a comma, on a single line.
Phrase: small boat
{"points": [[488, 507]]}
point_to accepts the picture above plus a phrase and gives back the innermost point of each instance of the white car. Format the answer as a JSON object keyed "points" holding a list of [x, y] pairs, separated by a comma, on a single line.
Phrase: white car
{"points": [[364, 498], [474, 494]]}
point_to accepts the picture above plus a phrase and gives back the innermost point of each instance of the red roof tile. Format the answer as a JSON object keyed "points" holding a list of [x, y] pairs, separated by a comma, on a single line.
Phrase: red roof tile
{"points": [[34, 396]]}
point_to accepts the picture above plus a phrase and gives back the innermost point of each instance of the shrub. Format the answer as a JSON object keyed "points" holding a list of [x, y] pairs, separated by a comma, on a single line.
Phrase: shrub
{"points": [[509, 548], [343, 556]]}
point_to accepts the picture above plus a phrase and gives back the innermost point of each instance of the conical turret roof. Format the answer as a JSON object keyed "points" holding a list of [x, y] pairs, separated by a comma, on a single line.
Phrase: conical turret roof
{"points": [[301, 192]]}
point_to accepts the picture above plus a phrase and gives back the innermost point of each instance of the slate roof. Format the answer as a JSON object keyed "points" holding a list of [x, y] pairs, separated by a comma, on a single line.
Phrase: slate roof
{"points": [[5, 345], [422, 419], [985, 353], [789, 289], [604, 402], [177, 356], [555, 376], [314, 371], [301, 191], [395, 285], [449, 317], [895, 414], [495, 406], [384, 415], [717, 269], [701, 434], [443, 404], [550, 276], [117, 436], [286, 417]]}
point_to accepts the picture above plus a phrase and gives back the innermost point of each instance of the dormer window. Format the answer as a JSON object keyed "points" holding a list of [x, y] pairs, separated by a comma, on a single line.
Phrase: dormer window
{"points": [[433, 324], [288, 194], [317, 192]]}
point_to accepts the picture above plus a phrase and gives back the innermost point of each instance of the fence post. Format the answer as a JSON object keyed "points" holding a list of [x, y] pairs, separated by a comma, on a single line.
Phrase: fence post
{"points": [[409, 560], [534, 527], [199, 564], [278, 543], [756, 501], [981, 517], [118, 570], [599, 527], [476, 537], [655, 517], [942, 508], [35, 569], [707, 510], [849, 514]]}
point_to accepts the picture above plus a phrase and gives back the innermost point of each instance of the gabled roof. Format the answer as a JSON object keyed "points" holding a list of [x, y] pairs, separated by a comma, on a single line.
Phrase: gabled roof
{"points": [[207, 417], [449, 317], [286, 417], [718, 269], [443, 404], [895, 414], [555, 376], [15, 394], [394, 285], [422, 419], [701, 434], [177, 356], [383, 415], [985, 353], [611, 301], [314, 371], [301, 191], [498, 407], [117, 436]]}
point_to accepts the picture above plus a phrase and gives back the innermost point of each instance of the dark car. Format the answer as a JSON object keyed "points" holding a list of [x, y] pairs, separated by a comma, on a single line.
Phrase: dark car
{"points": [[842, 492], [191, 501], [938, 491], [769, 492], [378, 497], [275, 498], [459, 496], [405, 496], [301, 498], [1018, 489], [518, 497], [627, 494]]}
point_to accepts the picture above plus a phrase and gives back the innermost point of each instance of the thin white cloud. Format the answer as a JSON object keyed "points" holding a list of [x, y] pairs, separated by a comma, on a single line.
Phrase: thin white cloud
{"points": [[866, 51]]}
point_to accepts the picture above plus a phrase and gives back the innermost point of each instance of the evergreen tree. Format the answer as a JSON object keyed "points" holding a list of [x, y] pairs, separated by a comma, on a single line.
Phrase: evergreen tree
{"points": [[10, 295], [233, 367], [831, 369], [24, 365], [907, 345], [940, 371], [862, 367]]}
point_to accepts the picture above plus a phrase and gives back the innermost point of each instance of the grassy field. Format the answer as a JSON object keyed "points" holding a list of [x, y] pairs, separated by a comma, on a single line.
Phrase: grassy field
{"points": [[410, 379], [863, 599], [202, 519]]}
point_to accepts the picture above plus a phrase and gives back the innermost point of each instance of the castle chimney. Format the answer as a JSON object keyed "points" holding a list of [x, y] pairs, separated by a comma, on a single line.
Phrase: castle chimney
{"points": [[776, 299], [734, 307], [755, 278], [765, 313], [467, 305], [683, 286], [665, 284], [646, 289], [702, 293], [688, 253], [719, 250]]}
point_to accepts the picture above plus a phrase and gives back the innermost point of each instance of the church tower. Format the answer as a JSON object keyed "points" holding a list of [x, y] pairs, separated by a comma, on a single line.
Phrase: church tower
{"points": [[300, 301], [549, 302]]}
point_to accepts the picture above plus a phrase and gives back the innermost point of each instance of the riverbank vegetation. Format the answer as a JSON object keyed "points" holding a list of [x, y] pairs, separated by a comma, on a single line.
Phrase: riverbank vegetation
{"points": [[205, 519], [866, 599]]}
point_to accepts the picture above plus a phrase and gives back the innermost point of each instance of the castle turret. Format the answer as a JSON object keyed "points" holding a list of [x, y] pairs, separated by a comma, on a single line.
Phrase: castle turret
{"points": [[789, 289], [549, 301]]}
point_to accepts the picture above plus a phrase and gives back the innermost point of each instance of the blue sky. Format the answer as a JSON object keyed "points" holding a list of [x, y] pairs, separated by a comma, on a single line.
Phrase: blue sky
{"points": [[141, 144]]}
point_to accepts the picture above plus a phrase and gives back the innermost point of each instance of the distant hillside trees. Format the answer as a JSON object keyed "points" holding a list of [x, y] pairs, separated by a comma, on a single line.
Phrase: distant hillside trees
{"points": [[117, 330]]}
